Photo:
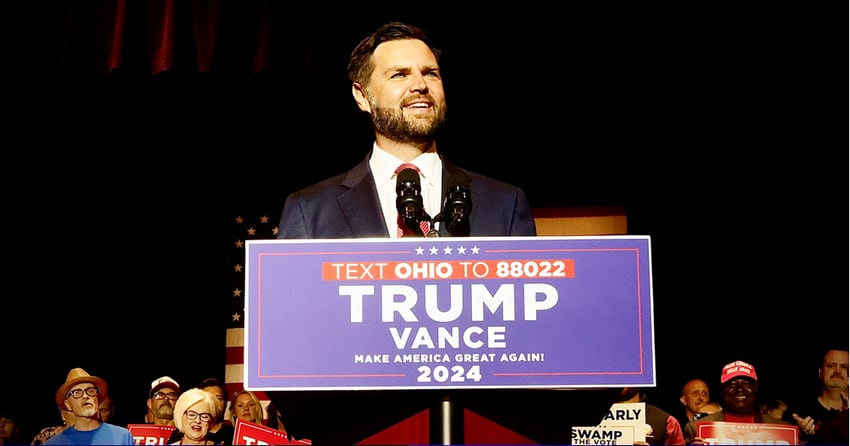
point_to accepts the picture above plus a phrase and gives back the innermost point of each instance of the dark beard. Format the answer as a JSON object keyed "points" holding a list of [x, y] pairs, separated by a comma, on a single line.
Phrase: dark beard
{"points": [[391, 123]]}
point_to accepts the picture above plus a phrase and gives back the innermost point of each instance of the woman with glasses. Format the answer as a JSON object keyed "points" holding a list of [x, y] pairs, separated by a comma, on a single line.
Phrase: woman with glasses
{"points": [[194, 411]]}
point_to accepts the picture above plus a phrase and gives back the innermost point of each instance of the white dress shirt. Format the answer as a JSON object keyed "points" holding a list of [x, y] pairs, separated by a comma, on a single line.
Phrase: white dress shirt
{"points": [[383, 167]]}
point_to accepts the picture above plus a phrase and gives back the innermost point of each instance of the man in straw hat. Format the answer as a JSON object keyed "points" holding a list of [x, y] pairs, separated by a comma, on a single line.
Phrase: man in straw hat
{"points": [[81, 393]]}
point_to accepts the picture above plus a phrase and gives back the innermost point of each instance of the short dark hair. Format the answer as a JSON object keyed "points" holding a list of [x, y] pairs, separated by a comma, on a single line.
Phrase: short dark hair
{"points": [[213, 382], [359, 65], [830, 348]]}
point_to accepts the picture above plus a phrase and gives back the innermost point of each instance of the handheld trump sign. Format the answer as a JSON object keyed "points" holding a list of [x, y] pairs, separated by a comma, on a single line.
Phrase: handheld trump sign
{"points": [[150, 433], [494, 312], [246, 432], [724, 432]]}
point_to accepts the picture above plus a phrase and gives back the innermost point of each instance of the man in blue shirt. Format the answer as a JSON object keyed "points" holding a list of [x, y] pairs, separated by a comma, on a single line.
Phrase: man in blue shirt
{"points": [[81, 394]]}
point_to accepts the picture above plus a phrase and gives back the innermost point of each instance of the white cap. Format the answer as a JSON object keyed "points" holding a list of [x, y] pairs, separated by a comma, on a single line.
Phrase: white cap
{"points": [[164, 381]]}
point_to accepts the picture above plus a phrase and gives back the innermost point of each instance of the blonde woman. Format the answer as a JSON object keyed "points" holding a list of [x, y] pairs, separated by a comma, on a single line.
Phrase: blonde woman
{"points": [[246, 406], [194, 412]]}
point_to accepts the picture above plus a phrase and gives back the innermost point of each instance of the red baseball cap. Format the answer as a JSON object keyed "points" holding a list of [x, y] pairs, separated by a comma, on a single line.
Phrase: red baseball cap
{"points": [[736, 369]]}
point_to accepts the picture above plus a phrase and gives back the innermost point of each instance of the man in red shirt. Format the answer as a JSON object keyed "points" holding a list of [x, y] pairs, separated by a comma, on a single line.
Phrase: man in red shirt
{"points": [[738, 390]]}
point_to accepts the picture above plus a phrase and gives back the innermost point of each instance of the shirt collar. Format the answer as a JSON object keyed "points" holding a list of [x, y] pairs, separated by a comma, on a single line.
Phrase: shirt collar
{"points": [[384, 165]]}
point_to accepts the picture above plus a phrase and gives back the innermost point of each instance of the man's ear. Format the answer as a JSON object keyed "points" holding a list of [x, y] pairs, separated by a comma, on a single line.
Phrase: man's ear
{"points": [[682, 399], [360, 97]]}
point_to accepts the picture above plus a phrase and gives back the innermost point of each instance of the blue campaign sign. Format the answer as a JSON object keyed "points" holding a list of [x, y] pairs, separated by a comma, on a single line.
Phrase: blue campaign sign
{"points": [[426, 313]]}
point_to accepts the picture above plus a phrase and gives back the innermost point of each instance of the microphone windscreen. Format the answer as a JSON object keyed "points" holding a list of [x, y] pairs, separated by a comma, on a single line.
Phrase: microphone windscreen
{"points": [[407, 178]]}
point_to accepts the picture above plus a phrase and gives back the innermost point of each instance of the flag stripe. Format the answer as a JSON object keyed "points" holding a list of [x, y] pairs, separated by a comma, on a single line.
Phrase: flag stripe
{"points": [[235, 338], [234, 355], [241, 227]]}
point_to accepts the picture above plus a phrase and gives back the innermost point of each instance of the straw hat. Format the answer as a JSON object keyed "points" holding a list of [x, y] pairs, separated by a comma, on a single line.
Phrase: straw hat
{"points": [[78, 376]]}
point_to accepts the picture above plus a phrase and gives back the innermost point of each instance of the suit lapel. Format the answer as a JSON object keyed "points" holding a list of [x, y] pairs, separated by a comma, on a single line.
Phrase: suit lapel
{"points": [[359, 204], [453, 174]]}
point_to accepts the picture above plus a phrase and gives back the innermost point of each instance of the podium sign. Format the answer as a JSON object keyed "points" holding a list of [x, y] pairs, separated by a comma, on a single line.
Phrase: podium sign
{"points": [[425, 313]]}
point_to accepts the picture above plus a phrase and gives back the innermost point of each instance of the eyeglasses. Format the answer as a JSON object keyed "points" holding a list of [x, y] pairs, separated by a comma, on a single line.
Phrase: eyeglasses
{"points": [[163, 395], [192, 415], [78, 393]]}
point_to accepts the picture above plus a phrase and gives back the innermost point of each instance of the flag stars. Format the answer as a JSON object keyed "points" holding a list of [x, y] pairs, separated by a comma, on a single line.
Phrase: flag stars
{"points": [[238, 243], [237, 268], [239, 220], [236, 317], [237, 293], [275, 231], [264, 219], [252, 232]]}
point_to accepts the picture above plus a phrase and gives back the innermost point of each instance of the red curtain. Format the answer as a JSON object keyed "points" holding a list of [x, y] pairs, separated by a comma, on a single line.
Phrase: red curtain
{"points": [[151, 37]]}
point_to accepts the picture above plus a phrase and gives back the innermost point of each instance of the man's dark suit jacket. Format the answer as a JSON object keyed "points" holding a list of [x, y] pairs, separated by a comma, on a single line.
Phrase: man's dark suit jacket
{"points": [[347, 206]]}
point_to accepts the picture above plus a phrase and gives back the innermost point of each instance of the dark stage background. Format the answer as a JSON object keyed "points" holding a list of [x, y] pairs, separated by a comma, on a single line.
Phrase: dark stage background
{"points": [[721, 129]]}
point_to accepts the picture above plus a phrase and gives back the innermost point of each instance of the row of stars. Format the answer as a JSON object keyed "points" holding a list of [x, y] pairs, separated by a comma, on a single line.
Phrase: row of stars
{"points": [[461, 250]]}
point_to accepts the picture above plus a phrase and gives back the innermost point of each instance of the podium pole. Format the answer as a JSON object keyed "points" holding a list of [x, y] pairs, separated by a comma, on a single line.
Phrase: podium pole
{"points": [[446, 417]]}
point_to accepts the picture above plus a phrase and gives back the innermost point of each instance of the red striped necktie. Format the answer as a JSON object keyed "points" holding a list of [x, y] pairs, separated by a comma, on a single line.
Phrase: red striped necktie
{"points": [[403, 230]]}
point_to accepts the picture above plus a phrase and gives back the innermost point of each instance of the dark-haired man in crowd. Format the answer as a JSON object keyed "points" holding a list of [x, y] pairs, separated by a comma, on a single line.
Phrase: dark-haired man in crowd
{"points": [[10, 427]]}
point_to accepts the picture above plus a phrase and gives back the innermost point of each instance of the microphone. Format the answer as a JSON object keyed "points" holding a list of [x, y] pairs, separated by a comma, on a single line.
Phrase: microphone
{"points": [[409, 199], [456, 208]]}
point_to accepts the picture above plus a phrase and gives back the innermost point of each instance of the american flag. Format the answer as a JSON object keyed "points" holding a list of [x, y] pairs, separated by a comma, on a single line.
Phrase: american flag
{"points": [[242, 225]]}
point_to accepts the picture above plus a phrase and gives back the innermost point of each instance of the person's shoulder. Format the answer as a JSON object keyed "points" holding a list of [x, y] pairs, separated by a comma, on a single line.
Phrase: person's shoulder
{"points": [[331, 185], [117, 434], [771, 420], [56, 439], [716, 416], [480, 182], [658, 410], [115, 427], [491, 182], [225, 432], [346, 179], [321, 186]]}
